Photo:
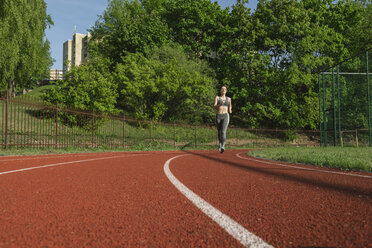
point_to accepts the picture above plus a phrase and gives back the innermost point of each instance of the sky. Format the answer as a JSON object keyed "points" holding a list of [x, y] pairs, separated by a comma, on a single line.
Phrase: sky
{"points": [[69, 15]]}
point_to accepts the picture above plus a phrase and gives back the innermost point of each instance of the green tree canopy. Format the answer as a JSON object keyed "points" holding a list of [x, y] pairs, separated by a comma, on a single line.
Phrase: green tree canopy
{"points": [[195, 24], [165, 86], [156, 55], [126, 26], [300, 38], [87, 87], [24, 51]]}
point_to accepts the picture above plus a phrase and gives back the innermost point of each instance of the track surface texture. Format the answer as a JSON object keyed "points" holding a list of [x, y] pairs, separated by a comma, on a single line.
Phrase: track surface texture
{"points": [[131, 199]]}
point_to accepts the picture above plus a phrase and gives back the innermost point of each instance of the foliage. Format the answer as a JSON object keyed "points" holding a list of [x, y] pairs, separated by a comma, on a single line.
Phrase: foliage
{"points": [[87, 87], [300, 37], [269, 59], [165, 86], [239, 66], [195, 24], [128, 27], [24, 56]]}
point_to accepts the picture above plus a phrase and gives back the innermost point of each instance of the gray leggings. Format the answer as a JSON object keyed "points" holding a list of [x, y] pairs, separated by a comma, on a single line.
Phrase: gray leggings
{"points": [[222, 121]]}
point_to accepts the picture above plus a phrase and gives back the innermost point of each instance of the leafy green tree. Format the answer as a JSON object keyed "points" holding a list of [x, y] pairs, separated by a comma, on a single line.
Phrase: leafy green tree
{"points": [[126, 26], [269, 59], [300, 37], [24, 56], [238, 64], [194, 24], [341, 27], [165, 86], [87, 87]]}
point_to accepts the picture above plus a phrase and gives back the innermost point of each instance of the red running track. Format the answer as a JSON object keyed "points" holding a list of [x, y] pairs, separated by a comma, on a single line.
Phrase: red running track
{"points": [[128, 200]]}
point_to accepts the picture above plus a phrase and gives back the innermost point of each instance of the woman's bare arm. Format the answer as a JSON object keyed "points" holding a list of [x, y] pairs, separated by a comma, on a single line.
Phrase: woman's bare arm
{"points": [[215, 105], [230, 107]]}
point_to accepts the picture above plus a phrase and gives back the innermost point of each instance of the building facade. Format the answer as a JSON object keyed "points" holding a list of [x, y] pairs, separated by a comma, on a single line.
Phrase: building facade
{"points": [[75, 51], [55, 75]]}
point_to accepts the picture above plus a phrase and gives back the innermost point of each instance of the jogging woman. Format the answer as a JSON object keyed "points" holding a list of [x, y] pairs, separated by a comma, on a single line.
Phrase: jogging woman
{"points": [[223, 107]]}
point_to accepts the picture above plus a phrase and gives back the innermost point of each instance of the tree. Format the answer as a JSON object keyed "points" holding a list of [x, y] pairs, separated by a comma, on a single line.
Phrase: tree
{"points": [[87, 87], [238, 65], [301, 37], [126, 26], [24, 56], [165, 86], [194, 24]]}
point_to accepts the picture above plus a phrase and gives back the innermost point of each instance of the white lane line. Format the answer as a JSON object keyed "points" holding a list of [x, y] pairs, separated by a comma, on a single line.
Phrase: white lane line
{"points": [[302, 168], [65, 163], [245, 237]]}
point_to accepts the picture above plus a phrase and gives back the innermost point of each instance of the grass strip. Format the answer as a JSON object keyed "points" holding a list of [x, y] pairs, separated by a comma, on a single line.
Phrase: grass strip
{"points": [[345, 158], [15, 151]]}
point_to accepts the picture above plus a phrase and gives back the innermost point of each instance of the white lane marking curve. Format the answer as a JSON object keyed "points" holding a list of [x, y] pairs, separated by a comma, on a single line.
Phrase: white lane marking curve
{"points": [[65, 163], [302, 168], [241, 234]]}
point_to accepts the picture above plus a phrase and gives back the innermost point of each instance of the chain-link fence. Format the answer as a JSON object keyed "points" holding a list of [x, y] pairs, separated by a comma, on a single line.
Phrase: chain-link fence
{"points": [[345, 103]]}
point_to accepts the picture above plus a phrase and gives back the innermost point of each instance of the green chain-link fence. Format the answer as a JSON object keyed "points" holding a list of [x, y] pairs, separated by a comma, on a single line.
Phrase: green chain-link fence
{"points": [[345, 103]]}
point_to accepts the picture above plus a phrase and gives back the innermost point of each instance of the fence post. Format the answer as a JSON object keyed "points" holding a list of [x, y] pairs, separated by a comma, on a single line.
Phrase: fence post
{"points": [[6, 119], [124, 131], [174, 134], [236, 135], [93, 129], [195, 135], [325, 133], [56, 143], [276, 136], [334, 109], [150, 131], [369, 104], [339, 104], [320, 110]]}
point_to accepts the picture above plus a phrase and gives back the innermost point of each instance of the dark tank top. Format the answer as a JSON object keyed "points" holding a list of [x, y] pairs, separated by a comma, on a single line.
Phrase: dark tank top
{"points": [[220, 101]]}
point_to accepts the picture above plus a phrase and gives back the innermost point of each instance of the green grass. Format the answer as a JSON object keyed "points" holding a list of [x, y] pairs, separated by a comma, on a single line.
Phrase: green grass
{"points": [[16, 151], [345, 158]]}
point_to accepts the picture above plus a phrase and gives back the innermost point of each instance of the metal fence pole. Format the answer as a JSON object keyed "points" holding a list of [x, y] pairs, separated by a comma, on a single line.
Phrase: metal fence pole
{"points": [[150, 131], [174, 134], [236, 135], [369, 103], [124, 131], [56, 143], [195, 134], [334, 109], [339, 104], [6, 120], [325, 133], [320, 109], [93, 129]]}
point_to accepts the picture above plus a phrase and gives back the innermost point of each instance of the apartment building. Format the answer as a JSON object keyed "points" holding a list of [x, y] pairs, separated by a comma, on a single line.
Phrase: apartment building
{"points": [[55, 75], [75, 51]]}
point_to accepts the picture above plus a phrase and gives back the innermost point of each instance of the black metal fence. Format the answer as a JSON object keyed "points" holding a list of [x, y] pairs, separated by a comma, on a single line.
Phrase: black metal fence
{"points": [[27, 122]]}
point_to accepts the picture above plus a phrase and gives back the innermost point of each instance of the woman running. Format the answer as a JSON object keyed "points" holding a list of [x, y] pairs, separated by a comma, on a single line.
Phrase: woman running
{"points": [[223, 107]]}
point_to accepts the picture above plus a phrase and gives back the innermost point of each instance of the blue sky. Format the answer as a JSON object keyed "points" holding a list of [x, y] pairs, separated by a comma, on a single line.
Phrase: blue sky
{"points": [[68, 14]]}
